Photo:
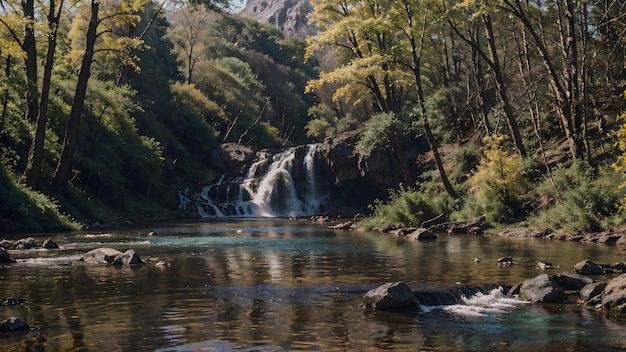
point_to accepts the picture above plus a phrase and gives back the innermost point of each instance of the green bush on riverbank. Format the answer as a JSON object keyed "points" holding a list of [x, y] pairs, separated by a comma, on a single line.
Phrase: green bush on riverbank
{"points": [[22, 209]]}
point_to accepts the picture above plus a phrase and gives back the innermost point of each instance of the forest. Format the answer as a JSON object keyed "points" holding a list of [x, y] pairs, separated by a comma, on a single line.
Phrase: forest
{"points": [[109, 109]]}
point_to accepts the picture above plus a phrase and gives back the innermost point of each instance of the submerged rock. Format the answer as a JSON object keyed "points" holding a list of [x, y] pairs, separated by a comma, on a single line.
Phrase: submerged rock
{"points": [[394, 296], [14, 325]]}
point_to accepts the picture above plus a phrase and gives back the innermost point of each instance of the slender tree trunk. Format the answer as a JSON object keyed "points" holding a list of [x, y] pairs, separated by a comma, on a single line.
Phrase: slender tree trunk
{"points": [[493, 62], [5, 98], [431, 138], [35, 155], [501, 87], [561, 97], [415, 66], [64, 166], [30, 61]]}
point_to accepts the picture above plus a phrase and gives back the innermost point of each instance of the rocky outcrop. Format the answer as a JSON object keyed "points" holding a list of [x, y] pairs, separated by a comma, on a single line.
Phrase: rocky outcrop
{"points": [[361, 177], [345, 181], [290, 16], [231, 157], [394, 296]]}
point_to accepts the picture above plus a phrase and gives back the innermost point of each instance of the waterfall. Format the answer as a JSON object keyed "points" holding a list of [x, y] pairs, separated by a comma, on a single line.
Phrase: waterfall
{"points": [[292, 182]]}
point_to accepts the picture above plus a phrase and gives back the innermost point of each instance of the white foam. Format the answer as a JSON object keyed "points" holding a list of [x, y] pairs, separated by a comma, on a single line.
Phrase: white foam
{"points": [[60, 260], [484, 304]]}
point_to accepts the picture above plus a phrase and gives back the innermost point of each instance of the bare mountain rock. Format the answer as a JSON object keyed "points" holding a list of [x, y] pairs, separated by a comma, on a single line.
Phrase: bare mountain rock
{"points": [[288, 15]]}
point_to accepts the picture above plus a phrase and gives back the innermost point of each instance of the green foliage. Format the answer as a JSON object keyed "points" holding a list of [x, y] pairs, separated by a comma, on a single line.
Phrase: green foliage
{"points": [[444, 107], [591, 199], [406, 207], [22, 209], [380, 131], [324, 122], [464, 160]]}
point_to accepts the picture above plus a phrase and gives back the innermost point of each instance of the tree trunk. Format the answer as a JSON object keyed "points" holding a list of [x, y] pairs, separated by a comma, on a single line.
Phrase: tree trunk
{"points": [[64, 166], [561, 97], [30, 61], [35, 155], [501, 87], [416, 58]]}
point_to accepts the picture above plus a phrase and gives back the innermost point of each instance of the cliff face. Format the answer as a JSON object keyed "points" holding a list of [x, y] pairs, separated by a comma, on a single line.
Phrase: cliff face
{"points": [[288, 15]]}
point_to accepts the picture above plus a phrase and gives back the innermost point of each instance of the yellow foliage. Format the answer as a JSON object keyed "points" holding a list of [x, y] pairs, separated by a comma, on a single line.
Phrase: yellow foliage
{"points": [[500, 175]]}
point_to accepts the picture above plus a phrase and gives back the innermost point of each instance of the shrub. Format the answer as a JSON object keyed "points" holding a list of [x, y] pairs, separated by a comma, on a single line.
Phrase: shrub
{"points": [[590, 199], [406, 207], [498, 187], [24, 210]]}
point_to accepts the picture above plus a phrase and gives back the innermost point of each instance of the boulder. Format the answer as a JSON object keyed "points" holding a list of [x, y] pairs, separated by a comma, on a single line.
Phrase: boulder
{"points": [[5, 257], [588, 267], [130, 258], [542, 289], [571, 281], [13, 325], [49, 244], [614, 297], [230, 157], [6, 244], [421, 234], [101, 256], [592, 290], [394, 296], [25, 243]]}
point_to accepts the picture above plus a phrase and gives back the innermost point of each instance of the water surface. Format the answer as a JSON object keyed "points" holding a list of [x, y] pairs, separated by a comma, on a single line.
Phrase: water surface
{"points": [[280, 285]]}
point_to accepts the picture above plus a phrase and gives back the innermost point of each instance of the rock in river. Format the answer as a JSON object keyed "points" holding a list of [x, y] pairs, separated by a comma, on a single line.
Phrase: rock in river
{"points": [[614, 296], [111, 256], [396, 296]]}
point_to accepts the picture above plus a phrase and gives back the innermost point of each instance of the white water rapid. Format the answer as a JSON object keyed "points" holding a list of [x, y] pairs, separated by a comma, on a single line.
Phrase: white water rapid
{"points": [[292, 182]]}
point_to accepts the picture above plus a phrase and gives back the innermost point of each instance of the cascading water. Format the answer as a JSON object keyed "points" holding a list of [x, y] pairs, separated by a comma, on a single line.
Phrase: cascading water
{"points": [[293, 182]]}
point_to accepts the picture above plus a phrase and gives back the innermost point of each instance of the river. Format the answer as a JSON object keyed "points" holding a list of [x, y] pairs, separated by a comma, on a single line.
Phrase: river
{"points": [[292, 285]]}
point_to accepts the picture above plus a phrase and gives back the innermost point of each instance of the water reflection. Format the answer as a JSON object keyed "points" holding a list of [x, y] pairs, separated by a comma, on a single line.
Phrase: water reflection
{"points": [[283, 286]]}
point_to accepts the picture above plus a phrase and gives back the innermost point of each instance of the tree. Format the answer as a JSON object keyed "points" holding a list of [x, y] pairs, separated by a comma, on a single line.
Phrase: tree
{"points": [[125, 12], [492, 59], [414, 29], [380, 36], [35, 155], [566, 68]]}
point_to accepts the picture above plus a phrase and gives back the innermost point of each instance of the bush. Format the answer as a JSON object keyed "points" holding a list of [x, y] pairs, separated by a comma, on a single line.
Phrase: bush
{"points": [[498, 187], [406, 207], [24, 210], [591, 200]]}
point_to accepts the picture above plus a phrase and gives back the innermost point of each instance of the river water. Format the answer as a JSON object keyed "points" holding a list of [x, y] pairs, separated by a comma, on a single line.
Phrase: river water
{"points": [[291, 285]]}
